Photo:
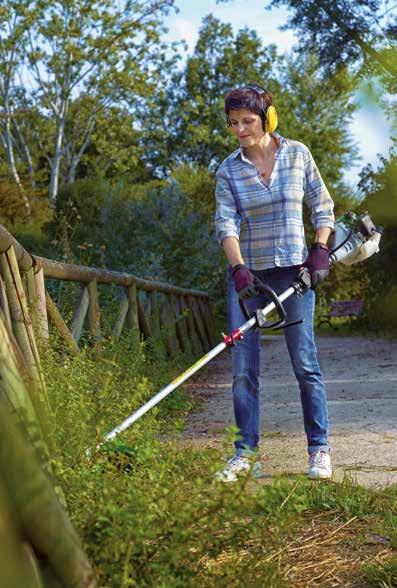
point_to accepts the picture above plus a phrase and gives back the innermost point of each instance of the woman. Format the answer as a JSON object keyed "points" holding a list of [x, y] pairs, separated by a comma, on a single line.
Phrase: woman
{"points": [[261, 188]]}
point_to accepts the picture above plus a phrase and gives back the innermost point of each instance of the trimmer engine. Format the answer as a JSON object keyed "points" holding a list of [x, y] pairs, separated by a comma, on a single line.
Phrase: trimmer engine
{"points": [[354, 238]]}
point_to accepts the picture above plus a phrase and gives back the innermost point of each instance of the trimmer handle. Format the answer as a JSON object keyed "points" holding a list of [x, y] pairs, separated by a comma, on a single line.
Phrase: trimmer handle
{"points": [[301, 285], [267, 291]]}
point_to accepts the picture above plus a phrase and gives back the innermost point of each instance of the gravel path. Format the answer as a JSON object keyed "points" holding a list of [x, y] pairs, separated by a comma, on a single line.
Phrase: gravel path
{"points": [[361, 381]]}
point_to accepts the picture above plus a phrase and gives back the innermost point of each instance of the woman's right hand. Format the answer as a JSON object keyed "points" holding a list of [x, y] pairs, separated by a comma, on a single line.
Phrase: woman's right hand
{"points": [[244, 281]]}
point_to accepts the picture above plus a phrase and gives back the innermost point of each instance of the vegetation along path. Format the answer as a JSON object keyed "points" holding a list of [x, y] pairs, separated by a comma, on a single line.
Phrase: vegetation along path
{"points": [[361, 380]]}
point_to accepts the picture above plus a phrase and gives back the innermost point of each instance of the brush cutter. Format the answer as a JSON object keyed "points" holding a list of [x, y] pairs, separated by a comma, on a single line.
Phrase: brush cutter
{"points": [[353, 239]]}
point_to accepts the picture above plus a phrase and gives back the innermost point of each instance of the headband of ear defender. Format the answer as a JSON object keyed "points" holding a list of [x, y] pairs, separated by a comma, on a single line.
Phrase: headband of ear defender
{"points": [[269, 118]]}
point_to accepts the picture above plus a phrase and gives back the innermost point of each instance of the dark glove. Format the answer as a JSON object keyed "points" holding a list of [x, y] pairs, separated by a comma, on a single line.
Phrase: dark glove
{"points": [[244, 281], [317, 263]]}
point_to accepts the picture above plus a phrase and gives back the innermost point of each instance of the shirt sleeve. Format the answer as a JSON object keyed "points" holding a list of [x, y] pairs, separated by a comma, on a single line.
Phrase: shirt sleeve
{"points": [[316, 196], [227, 218]]}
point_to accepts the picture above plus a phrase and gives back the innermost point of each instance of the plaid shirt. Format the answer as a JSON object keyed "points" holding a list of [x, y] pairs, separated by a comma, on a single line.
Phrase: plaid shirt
{"points": [[267, 217]]}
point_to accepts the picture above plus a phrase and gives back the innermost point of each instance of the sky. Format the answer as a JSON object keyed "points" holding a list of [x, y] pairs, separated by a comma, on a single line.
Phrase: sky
{"points": [[369, 127]]}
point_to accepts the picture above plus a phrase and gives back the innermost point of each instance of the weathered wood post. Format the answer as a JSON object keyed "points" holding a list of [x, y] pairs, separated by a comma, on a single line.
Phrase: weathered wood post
{"points": [[4, 304], [194, 342], [77, 322], [154, 313], [37, 512], [198, 324], [142, 320], [57, 320], [21, 321], [132, 316], [31, 296], [94, 314], [206, 322], [181, 328], [169, 324], [42, 318], [121, 316]]}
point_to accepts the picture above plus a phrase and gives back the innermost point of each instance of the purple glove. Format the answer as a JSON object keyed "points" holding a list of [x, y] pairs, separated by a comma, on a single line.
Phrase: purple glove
{"points": [[244, 281], [317, 263]]}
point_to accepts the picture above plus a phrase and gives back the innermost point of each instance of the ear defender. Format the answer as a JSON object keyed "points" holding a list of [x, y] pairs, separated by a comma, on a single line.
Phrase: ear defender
{"points": [[269, 117]]}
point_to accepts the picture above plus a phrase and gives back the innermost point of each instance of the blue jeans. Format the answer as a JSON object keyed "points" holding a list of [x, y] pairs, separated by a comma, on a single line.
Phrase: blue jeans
{"points": [[303, 355]]}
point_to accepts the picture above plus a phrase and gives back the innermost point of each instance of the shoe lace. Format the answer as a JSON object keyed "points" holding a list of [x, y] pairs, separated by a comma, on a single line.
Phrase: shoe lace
{"points": [[235, 460], [318, 459]]}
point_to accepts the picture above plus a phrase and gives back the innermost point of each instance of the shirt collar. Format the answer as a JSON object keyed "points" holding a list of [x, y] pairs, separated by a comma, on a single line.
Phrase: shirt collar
{"points": [[239, 152]]}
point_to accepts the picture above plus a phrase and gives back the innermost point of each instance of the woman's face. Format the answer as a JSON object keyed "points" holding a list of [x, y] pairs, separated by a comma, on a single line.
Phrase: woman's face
{"points": [[247, 126]]}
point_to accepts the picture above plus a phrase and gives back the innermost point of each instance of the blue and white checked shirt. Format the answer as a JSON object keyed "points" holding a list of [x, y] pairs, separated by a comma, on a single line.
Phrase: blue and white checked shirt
{"points": [[267, 217]]}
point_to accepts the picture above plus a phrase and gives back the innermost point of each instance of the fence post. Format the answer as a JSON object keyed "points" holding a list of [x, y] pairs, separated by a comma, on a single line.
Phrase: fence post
{"points": [[20, 317], [77, 322], [94, 315], [156, 313], [57, 320], [207, 326], [42, 318], [143, 323], [181, 328], [4, 305], [32, 296], [187, 306], [121, 317], [132, 316], [199, 324]]}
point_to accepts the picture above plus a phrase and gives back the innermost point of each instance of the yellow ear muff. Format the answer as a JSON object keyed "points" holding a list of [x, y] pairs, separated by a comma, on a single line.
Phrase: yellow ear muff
{"points": [[271, 119]]}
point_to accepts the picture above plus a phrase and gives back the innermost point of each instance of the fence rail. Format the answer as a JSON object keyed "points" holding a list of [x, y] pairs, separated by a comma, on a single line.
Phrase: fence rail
{"points": [[147, 307]]}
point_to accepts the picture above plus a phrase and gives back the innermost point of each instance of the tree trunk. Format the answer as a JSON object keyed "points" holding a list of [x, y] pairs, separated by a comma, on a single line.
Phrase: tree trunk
{"points": [[56, 160], [26, 153], [9, 149]]}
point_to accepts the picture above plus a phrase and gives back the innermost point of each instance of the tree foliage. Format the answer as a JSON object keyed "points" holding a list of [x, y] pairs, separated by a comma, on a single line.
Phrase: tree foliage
{"points": [[360, 34], [79, 52]]}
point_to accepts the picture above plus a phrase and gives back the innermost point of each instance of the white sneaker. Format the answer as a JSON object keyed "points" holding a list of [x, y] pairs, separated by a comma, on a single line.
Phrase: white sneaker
{"points": [[236, 466], [320, 465]]}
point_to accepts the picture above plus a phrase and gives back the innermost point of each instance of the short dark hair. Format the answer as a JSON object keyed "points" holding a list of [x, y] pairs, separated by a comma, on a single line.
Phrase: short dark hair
{"points": [[253, 97]]}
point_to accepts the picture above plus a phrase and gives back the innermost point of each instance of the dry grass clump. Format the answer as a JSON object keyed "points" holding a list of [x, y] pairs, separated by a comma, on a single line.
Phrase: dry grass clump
{"points": [[325, 552], [332, 553]]}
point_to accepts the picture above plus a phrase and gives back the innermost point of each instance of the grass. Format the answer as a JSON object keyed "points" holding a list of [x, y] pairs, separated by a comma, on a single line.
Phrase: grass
{"points": [[156, 517]]}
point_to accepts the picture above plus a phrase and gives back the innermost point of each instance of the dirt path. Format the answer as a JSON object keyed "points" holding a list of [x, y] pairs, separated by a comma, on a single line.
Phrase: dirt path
{"points": [[361, 381]]}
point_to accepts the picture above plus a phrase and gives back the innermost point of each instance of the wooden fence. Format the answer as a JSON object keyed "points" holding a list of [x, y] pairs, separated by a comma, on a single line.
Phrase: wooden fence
{"points": [[145, 307]]}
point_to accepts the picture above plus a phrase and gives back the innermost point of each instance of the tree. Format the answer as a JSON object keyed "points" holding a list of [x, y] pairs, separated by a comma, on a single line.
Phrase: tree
{"points": [[219, 63], [380, 190], [318, 111], [13, 27], [86, 49], [360, 34]]}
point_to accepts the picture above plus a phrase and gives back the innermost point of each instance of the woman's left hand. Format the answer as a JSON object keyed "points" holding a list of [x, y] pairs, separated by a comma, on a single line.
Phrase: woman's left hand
{"points": [[317, 263]]}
